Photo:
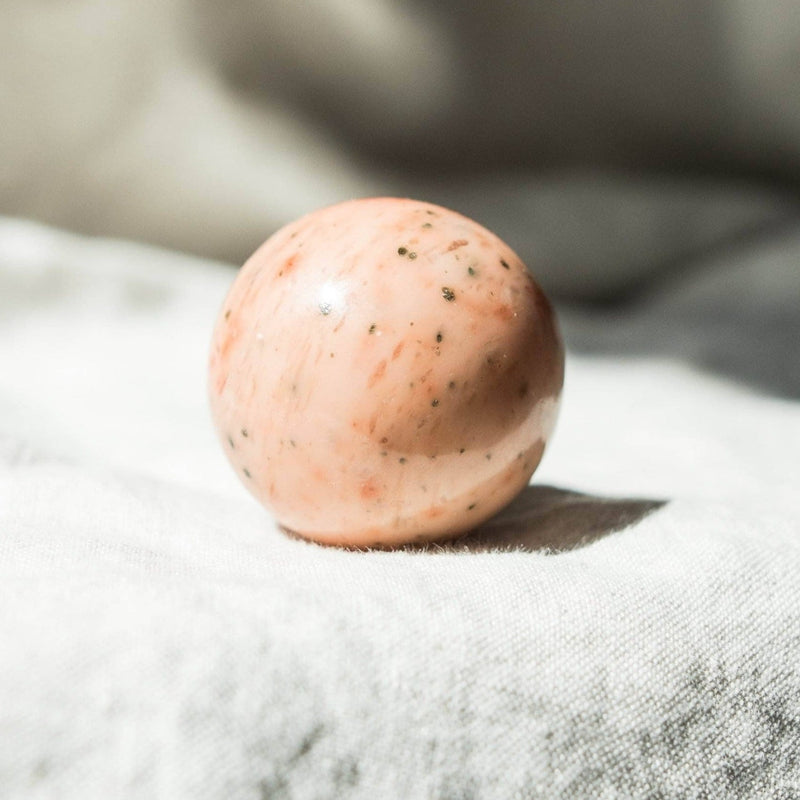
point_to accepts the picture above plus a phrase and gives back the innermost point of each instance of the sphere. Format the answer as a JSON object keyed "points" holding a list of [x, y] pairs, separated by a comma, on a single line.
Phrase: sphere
{"points": [[384, 371]]}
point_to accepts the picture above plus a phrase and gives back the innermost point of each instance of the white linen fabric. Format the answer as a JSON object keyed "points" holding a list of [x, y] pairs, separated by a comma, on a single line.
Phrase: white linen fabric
{"points": [[629, 628]]}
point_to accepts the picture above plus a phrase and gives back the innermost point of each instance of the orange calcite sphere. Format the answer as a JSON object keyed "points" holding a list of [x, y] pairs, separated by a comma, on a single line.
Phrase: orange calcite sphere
{"points": [[385, 371]]}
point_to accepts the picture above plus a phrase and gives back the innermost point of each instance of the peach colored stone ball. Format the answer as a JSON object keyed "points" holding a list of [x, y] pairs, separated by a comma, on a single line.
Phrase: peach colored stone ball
{"points": [[385, 371]]}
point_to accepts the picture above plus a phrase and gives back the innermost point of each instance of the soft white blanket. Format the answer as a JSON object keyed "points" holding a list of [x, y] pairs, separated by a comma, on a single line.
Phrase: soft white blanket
{"points": [[629, 628]]}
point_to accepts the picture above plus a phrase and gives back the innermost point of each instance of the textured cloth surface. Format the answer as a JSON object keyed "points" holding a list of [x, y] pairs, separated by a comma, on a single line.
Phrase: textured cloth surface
{"points": [[160, 638], [628, 628]]}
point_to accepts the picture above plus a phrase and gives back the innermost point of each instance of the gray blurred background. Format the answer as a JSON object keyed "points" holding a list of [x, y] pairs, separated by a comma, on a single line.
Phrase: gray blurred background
{"points": [[643, 158]]}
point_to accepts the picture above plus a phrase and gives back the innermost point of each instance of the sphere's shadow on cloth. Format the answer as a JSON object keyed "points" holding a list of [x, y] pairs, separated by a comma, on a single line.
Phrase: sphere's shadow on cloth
{"points": [[551, 519]]}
